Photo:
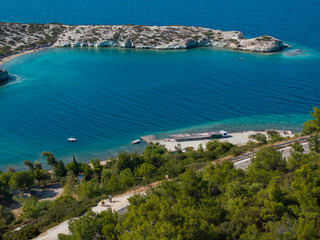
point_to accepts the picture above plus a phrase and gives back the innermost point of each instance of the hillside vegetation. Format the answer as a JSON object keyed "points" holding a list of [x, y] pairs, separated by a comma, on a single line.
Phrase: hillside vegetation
{"points": [[273, 199]]}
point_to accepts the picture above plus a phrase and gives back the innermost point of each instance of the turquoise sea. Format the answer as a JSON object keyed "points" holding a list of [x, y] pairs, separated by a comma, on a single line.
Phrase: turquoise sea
{"points": [[108, 97]]}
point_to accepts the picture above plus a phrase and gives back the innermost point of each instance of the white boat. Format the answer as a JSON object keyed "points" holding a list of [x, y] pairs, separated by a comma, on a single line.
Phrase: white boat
{"points": [[72, 140], [136, 141]]}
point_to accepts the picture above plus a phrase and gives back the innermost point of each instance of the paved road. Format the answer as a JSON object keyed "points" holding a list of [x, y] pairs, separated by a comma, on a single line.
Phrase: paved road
{"points": [[243, 164], [119, 204]]}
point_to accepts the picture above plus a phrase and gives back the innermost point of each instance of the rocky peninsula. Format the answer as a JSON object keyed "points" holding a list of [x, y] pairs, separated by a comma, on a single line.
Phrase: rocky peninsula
{"points": [[17, 37]]}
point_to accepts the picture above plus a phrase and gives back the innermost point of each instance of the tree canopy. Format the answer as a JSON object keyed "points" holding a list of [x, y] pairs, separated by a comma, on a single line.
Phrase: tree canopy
{"points": [[270, 200], [313, 125]]}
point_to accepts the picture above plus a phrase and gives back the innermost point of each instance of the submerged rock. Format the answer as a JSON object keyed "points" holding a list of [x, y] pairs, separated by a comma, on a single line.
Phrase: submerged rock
{"points": [[4, 75]]}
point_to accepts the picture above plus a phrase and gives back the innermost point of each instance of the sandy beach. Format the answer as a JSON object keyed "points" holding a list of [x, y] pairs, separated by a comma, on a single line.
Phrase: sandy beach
{"points": [[239, 138], [6, 59]]}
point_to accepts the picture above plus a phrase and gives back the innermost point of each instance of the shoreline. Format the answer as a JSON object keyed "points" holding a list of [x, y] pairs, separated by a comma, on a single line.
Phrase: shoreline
{"points": [[13, 56], [172, 37], [237, 138]]}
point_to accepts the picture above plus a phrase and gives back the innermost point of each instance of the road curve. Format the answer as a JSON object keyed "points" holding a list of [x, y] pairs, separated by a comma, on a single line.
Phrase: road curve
{"points": [[244, 163]]}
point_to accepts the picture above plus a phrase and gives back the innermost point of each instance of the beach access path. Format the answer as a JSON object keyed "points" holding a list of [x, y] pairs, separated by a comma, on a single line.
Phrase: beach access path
{"points": [[119, 204]]}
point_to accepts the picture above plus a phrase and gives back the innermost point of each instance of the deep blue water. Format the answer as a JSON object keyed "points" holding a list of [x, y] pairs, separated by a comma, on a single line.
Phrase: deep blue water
{"points": [[107, 97]]}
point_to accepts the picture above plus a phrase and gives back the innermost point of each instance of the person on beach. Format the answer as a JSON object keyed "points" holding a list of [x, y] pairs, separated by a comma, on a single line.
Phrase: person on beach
{"points": [[110, 198], [102, 202]]}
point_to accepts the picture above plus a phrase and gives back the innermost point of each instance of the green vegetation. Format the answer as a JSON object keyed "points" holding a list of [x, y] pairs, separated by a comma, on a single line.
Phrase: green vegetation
{"points": [[312, 126], [5, 50], [39, 175], [94, 226], [21, 180], [264, 38], [6, 217], [208, 34], [48, 214], [92, 40], [268, 201], [259, 137], [32, 208], [58, 166], [117, 176], [234, 41], [273, 199], [35, 28], [272, 137]]}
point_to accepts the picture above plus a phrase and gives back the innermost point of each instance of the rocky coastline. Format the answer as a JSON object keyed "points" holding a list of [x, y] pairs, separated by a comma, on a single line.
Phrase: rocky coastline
{"points": [[17, 37]]}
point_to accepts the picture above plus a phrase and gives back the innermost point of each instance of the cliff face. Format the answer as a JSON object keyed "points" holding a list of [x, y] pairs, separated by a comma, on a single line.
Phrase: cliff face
{"points": [[15, 37]]}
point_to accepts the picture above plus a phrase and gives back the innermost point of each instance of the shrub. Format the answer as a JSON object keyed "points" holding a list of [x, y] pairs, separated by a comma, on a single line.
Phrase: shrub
{"points": [[126, 178], [274, 136], [234, 41], [312, 126], [259, 137], [5, 50], [6, 217], [88, 189], [264, 38], [145, 171], [32, 208], [268, 158], [28, 232], [21, 180]]}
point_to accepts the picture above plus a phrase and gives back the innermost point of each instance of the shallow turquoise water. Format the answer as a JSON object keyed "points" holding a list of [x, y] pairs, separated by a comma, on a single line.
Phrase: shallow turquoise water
{"points": [[107, 97]]}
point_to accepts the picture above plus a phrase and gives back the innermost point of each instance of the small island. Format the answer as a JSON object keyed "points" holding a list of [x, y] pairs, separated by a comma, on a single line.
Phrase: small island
{"points": [[18, 37]]}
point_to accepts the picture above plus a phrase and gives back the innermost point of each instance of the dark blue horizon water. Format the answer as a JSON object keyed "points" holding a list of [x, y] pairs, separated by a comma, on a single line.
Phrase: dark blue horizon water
{"points": [[107, 97]]}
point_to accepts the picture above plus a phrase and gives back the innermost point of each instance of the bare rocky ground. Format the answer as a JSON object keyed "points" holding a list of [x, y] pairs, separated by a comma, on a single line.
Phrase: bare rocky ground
{"points": [[17, 37], [51, 192]]}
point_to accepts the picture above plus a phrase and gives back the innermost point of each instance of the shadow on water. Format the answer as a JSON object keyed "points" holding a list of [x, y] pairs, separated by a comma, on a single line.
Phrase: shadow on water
{"points": [[10, 79]]}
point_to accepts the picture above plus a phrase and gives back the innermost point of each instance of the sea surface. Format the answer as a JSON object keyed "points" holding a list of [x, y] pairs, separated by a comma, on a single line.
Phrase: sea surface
{"points": [[108, 97]]}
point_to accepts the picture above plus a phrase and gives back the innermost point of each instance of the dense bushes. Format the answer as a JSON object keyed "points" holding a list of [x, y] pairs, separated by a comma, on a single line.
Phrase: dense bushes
{"points": [[116, 176], [312, 126], [59, 210], [274, 199], [94, 226], [32, 208], [6, 217], [271, 200], [21, 180]]}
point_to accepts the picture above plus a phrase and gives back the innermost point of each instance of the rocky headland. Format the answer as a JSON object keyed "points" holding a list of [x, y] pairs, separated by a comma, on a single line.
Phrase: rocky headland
{"points": [[17, 37]]}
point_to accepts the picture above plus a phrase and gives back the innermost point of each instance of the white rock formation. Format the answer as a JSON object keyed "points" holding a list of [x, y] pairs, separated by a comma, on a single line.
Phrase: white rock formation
{"points": [[15, 37]]}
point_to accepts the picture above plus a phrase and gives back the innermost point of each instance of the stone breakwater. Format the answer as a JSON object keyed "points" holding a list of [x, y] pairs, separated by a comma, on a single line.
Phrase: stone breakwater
{"points": [[16, 37]]}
